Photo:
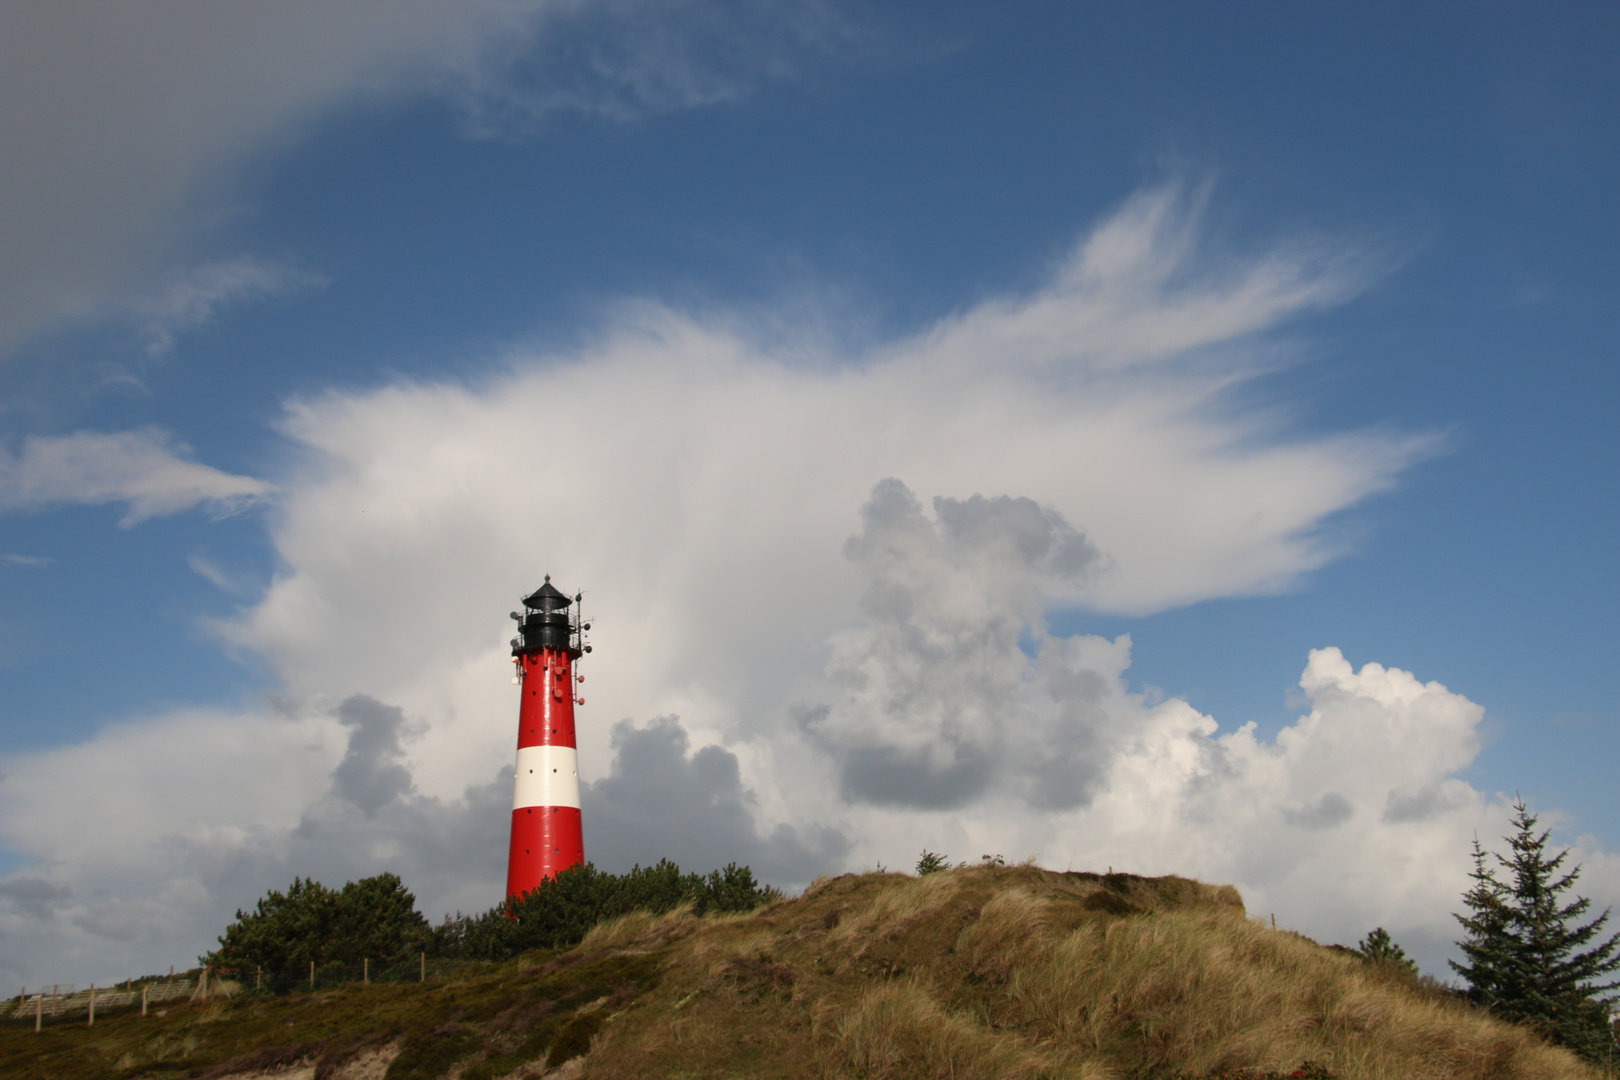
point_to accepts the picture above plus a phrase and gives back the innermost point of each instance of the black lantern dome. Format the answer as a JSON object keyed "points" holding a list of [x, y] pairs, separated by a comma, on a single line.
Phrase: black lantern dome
{"points": [[547, 598], [547, 622]]}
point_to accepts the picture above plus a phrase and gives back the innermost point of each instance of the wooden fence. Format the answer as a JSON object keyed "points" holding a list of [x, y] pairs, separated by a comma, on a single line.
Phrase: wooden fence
{"points": [[61, 1001]]}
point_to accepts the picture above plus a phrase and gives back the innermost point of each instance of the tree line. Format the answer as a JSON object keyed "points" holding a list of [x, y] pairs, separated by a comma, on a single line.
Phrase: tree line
{"points": [[376, 918]]}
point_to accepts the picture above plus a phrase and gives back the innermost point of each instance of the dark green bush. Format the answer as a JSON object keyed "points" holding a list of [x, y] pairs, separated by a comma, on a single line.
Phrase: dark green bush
{"points": [[374, 918]]}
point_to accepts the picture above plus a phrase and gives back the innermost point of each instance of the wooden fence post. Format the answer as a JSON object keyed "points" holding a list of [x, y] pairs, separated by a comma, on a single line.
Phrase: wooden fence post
{"points": [[365, 970], [259, 979], [92, 1022], [39, 1011], [144, 989], [423, 976], [312, 974]]}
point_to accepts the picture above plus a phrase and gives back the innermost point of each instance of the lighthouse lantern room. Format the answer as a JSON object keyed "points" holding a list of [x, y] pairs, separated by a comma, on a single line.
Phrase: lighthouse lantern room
{"points": [[546, 834]]}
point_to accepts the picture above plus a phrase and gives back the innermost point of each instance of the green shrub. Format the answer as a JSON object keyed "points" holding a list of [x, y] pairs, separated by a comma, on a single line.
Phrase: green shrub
{"points": [[374, 918]]}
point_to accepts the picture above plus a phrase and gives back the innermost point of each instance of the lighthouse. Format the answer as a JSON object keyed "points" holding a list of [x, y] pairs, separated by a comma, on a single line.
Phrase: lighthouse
{"points": [[546, 835]]}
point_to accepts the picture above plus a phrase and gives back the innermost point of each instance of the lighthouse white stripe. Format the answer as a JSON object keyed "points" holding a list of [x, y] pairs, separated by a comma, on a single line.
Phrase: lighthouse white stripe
{"points": [[546, 776]]}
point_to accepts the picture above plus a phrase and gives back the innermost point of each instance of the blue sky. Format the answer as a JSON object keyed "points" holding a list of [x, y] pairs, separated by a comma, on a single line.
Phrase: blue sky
{"points": [[256, 264]]}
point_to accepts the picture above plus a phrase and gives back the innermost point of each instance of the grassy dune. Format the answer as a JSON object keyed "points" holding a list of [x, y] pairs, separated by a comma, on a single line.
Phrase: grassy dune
{"points": [[984, 972]]}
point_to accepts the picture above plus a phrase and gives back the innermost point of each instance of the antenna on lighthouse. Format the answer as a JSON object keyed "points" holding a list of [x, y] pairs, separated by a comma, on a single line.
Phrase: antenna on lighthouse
{"points": [[546, 834]]}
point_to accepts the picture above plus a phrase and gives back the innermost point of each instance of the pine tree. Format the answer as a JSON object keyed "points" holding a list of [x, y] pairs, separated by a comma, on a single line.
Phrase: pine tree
{"points": [[1529, 957], [1379, 949]]}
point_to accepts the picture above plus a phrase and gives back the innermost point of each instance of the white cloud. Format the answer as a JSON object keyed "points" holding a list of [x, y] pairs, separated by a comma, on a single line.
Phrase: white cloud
{"points": [[144, 468], [122, 125], [703, 489], [770, 656], [13, 559]]}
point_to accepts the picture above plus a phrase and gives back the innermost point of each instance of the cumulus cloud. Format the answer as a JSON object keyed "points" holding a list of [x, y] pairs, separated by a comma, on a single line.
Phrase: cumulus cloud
{"points": [[1297, 822], [660, 800], [122, 125], [953, 719], [701, 486], [835, 570], [370, 775], [323, 793], [145, 469], [931, 685]]}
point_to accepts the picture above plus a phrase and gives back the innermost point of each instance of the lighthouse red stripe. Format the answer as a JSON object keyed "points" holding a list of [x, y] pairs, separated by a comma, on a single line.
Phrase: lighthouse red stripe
{"points": [[546, 840], [546, 717]]}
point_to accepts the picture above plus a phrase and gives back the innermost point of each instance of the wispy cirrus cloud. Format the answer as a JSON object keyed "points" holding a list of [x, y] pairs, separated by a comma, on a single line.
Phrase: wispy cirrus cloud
{"points": [[192, 299], [628, 60], [145, 469]]}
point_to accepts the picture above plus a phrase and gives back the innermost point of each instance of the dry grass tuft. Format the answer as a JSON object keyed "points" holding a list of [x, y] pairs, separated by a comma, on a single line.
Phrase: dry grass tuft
{"points": [[1207, 991], [898, 1030], [640, 929]]}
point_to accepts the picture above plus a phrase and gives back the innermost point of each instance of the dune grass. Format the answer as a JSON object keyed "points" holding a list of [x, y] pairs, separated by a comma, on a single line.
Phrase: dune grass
{"points": [[992, 972], [1021, 972]]}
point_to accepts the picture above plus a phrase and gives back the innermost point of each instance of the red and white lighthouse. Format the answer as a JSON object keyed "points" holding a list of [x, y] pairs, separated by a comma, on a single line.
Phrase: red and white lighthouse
{"points": [[546, 836]]}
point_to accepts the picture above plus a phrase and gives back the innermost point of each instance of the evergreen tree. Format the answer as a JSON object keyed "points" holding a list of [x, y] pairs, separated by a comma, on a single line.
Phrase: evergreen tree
{"points": [[1378, 948], [1529, 957]]}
